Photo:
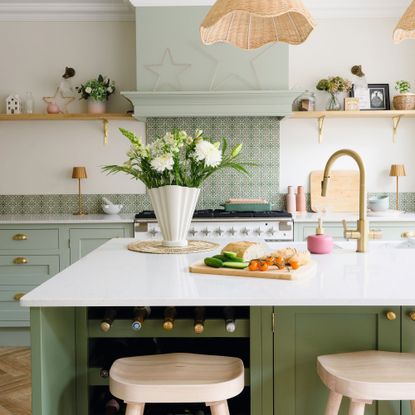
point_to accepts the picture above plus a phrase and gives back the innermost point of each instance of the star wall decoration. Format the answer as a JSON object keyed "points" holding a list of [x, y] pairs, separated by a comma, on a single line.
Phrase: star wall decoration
{"points": [[60, 100], [168, 72], [224, 73]]}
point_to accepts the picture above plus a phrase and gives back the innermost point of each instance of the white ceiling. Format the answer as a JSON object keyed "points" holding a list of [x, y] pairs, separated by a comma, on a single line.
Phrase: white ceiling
{"points": [[102, 10]]}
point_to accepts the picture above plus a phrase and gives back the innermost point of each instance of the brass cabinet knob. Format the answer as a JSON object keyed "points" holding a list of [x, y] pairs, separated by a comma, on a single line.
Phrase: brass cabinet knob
{"points": [[391, 315], [20, 237], [18, 296], [412, 315], [20, 261]]}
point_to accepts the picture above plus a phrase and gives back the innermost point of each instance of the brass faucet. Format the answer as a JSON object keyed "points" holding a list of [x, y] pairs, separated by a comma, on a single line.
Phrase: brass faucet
{"points": [[362, 232]]}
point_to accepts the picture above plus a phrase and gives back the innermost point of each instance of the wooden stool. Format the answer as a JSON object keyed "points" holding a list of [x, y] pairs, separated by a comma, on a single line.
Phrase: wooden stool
{"points": [[177, 377], [367, 376]]}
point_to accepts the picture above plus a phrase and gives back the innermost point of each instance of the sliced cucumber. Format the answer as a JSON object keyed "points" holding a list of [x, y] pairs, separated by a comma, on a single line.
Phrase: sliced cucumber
{"points": [[237, 265], [213, 262], [223, 258], [232, 256]]}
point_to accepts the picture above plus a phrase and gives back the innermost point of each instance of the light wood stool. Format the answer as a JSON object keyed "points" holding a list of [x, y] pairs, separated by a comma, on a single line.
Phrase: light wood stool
{"points": [[177, 377], [367, 376]]}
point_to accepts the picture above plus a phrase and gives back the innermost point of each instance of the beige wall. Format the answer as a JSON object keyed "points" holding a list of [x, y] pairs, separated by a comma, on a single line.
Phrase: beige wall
{"points": [[37, 157], [332, 49]]}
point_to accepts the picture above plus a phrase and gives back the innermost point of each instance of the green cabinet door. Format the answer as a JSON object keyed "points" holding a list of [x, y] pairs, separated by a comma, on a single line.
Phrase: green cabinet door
{"points": [[408, 341], [303, 333], [85, 240]]}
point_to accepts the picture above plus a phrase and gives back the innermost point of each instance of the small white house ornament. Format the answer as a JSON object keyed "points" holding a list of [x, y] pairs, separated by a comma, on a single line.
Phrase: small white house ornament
{"points": [[13, 104]]}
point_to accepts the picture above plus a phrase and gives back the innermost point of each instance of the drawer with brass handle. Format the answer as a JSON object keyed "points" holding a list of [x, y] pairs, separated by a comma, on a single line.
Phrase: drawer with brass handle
{"points": [[27, 269], [391, 315], [11, 312], [28, 239]]}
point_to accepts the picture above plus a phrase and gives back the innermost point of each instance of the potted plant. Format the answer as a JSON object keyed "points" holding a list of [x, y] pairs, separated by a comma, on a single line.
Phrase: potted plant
{"points": [[173, 168], [96, 92], [405, 100], [333, 85]]}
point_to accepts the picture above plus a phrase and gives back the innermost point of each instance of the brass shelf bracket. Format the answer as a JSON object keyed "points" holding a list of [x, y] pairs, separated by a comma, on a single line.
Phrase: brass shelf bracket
{"points": [[320, 121], [106, 124], [395, 120]]}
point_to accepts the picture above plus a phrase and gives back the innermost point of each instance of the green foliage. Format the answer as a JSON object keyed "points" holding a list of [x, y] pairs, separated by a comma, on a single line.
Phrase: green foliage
{"points": [[98, 89], [403, 86], [334, 84], [177, 159]]}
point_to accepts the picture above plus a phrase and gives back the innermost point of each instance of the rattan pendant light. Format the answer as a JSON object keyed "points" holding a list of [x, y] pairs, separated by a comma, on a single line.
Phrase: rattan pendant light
{"points": [[250, 24], [406, 26]]}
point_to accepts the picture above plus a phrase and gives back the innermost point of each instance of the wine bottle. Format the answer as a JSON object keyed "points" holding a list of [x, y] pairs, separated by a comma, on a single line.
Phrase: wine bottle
{"points": [[112, 407], [109, 317], [229, 316], [169, 317], [140, 314], [199, 320]]}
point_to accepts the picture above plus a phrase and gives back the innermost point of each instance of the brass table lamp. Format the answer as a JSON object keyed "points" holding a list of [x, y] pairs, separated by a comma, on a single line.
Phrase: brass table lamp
{"points": [[397, 170], [79, 173]]}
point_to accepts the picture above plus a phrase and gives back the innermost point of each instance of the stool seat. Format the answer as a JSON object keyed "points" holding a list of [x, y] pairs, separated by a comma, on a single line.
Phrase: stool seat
{"points": [[369, 375], [176, 377]]}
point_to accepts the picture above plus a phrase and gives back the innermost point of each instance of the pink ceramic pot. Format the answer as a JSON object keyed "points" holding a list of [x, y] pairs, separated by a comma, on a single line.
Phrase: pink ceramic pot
{"points": [[53, 108], [96, 107]]}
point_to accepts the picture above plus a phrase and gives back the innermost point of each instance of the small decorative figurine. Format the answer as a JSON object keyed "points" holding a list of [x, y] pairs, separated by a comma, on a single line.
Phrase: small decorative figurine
{"points": [[13, 104]]}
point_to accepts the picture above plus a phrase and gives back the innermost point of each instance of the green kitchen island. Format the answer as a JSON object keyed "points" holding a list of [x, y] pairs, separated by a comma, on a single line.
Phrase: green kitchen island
{"points": [[354, 302]]}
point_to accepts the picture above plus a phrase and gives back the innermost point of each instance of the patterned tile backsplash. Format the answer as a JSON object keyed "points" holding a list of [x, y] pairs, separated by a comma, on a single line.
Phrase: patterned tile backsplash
{"points": [[259, 135]]}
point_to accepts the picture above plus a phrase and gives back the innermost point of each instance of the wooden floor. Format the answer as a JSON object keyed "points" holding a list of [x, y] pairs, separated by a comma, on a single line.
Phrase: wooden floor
{"points": [[15, 381]]}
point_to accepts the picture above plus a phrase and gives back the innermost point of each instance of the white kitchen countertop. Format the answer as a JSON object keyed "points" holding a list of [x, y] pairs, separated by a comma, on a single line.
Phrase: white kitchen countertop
{"points": [[65, 219], [350, 217], [114, 276]]}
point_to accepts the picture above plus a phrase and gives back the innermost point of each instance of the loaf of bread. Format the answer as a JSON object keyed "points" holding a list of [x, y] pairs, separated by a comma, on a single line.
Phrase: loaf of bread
{"points": [[291, 254], [247, 250]]}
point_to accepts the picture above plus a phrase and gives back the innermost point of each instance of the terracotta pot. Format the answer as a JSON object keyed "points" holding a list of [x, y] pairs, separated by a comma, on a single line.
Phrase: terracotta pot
{"points": [[96, 107]]}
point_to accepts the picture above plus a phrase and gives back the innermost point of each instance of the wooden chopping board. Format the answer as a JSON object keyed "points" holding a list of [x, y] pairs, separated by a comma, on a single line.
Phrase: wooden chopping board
{"points": [[273, 272], [342, 191]]}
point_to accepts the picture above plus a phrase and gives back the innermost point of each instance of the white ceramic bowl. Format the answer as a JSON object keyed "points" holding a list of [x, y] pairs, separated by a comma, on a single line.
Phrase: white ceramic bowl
{"points": [[111, 209], [378, 203]]}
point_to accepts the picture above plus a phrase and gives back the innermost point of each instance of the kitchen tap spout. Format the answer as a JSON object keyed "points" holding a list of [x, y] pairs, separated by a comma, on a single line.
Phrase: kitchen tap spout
{"points": [[361, 234]]}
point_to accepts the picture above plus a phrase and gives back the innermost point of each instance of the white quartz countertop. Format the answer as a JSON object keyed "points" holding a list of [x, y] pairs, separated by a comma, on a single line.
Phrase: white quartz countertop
{"points": [[65, 219], [114, 276], [350, 217]]}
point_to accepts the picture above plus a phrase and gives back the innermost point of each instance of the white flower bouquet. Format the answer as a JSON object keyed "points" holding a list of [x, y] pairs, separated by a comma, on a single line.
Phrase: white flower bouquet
{"points": [[98, 89], [177, 159]]}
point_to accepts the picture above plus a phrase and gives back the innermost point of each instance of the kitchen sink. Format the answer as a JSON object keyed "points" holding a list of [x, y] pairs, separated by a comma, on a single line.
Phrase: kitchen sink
{"points": [[375, 245]]}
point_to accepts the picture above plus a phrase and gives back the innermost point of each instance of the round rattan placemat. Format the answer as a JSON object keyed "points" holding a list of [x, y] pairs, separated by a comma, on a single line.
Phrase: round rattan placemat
{"points": [[155, 247]]}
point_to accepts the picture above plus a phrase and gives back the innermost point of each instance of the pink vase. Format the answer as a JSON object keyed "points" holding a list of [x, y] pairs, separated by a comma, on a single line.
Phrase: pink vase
{"points": [[53, 108], [96, 107], [300, 199]]}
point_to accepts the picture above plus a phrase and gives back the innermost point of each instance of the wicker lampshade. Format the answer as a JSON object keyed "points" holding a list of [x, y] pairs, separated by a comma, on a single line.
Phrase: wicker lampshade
{"points": [[405, 29], [250, 24], [79, 173], [397, 170]]}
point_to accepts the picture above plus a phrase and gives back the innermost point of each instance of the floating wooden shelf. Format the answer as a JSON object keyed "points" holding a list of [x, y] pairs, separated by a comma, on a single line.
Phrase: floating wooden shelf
{"points": [[321, 116], [105, 118]]}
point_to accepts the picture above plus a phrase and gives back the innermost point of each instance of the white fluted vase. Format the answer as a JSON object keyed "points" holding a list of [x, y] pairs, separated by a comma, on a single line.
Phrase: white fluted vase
{"points": [[174, 207]]}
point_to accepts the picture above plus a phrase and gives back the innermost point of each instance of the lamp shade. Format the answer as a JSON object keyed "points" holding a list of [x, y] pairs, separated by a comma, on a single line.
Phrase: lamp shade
{"points": [[79, 173], [397, 170], [250, 24], [405, 29]]}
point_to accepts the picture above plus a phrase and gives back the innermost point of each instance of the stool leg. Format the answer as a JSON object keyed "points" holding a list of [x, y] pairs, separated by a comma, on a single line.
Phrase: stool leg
{"points": [[218, 408], [358, 407], [413, 407], [333, 404], [134, 408]]}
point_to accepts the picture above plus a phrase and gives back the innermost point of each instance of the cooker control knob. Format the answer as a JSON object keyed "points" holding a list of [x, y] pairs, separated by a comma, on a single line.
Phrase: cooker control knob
{"points": [[258, 231], [153, 232], [219, 231], [206, 231], [245, 231], [193, 231], [271, 231], [232, 231]]}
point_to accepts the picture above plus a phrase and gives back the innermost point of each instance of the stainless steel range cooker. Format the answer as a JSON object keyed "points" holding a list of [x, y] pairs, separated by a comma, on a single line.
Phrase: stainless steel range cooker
{"points": [[272, 226]]}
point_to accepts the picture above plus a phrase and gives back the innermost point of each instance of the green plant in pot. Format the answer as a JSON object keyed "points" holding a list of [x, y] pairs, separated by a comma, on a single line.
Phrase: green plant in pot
{"points": [[334, 85], [173, 168], [96, 92], [405, 100]]}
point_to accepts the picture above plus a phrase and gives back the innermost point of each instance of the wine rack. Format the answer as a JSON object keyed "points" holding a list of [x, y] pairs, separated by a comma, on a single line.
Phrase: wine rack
{"points": [[119, 339]]}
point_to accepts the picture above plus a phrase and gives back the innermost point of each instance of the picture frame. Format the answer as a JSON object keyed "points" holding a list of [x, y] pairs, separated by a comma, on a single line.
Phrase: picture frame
{"points": [[374, 98], [352, 104]]}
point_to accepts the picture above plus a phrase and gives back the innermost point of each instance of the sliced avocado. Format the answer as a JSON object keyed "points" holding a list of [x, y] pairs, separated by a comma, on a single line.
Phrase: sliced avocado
{"points": [[237, 265]]}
